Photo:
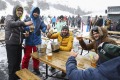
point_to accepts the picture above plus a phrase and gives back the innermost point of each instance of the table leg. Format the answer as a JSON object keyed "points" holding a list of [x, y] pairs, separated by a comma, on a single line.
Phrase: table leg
{"points": [[81, 52], [46, 71]]}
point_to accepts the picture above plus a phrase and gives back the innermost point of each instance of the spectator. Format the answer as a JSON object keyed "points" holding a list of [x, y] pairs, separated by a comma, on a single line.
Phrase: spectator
{"points": [[60, 23], [33, 40], [95, 20], [73, 21], [78, 20], [13, 39], [118, 26], [53, 21], [108, 70], [99, 35], [99, 21], [89, 24]]}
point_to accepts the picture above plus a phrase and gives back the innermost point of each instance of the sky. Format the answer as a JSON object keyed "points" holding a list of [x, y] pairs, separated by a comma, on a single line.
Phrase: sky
{"points": [[88, 5]]}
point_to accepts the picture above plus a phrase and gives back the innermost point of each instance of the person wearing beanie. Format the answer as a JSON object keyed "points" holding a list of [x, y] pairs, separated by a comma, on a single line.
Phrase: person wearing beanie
{"points": [[14, 29], [107, 70], [98, 35], [65, 39]]}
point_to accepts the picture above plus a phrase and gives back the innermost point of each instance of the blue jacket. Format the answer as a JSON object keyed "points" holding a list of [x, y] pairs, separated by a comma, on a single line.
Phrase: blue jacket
{"points": [[35, 37], [53, 19], [109, 70]]}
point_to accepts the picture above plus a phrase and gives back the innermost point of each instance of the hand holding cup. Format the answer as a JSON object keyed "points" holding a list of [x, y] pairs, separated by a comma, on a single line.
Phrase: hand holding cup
{"points": [[79, 36], [73, 53]]}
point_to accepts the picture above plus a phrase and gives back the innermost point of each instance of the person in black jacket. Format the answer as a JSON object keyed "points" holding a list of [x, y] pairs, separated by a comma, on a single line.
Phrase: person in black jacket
{"points": [[100, 21], [108, 70], [118, 26], [13, 39]]}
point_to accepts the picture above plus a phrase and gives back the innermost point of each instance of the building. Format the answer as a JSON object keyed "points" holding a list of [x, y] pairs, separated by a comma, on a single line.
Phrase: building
{"points": [[113, 12]]}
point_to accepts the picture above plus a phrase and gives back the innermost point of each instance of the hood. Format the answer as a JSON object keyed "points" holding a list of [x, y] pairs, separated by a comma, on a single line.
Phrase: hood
{"points": [[14, 11], [108, 51], [32, 10], [102, 31]]}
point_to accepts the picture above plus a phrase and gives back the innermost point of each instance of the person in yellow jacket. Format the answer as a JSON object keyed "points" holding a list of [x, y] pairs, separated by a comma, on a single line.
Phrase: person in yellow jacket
{"points": [[64, 37]]}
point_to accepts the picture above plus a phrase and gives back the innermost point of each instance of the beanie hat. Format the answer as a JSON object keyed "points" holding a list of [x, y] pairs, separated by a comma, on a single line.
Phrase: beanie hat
{"points": [[61, 17], [95, 29], [108, 51], [65, 27]]}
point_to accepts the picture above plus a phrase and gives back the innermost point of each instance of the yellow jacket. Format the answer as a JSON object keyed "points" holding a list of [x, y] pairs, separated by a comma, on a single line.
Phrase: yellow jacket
{"points": [[66, 43]]}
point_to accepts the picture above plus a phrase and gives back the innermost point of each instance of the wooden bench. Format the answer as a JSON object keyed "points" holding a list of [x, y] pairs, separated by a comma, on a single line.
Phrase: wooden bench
{"points": [[25, 74]]}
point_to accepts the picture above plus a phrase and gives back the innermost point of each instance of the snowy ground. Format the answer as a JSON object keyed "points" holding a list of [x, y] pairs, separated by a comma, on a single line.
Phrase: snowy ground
{"points": [[3, 61]]}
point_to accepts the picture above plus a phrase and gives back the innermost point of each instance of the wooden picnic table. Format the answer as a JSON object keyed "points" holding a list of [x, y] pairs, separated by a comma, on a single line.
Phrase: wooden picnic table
{"points": [[59, 60]]}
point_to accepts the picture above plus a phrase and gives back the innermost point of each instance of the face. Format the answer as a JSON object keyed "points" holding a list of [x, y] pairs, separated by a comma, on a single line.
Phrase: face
{"points": [[35, 14], [96, 35], [19, 12], [64, 32]]}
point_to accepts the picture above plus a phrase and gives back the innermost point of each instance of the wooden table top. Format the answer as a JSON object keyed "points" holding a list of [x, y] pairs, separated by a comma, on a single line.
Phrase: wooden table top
{"points": [[113, 32], [59, 60]]}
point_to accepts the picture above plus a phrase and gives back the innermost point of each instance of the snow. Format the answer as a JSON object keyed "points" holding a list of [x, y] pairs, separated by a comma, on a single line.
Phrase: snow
{"points": [[3, 55], [54, 12]]}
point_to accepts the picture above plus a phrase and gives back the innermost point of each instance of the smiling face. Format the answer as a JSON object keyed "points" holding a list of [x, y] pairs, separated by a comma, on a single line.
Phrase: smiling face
{"points": [[96, 35], [19, 12], [35, 14], [64, 32]]}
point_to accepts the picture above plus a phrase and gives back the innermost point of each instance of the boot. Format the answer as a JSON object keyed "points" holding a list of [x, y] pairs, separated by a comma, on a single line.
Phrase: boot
{"points": [[36, 71]]}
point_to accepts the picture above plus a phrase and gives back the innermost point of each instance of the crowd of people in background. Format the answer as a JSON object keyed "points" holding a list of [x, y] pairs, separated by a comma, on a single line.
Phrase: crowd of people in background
{"points": [[2, 19], [77, 21]]}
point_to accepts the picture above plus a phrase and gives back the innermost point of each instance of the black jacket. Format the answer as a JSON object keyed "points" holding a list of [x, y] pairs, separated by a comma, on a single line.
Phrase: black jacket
{"points": [[14, 29]]}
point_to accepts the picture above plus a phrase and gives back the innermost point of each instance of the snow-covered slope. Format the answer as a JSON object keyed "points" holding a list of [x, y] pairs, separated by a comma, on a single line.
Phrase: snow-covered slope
{"points": [[52, 11]]}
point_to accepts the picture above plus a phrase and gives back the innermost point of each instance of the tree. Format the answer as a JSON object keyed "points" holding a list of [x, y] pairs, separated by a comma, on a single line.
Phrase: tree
{"points": [[2, 5], [28, 8]]}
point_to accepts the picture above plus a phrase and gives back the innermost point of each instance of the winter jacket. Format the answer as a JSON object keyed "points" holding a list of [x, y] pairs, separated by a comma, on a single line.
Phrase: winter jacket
{"points": [[35, 37], [59, 25], [65, 43], [53, 19], [94, 44], [109, 70], [99, 22], [14, 29]]}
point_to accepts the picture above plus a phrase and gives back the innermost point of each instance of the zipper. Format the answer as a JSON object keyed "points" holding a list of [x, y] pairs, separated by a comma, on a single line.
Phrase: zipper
{"points": [[20, 37], [10, 36]]}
